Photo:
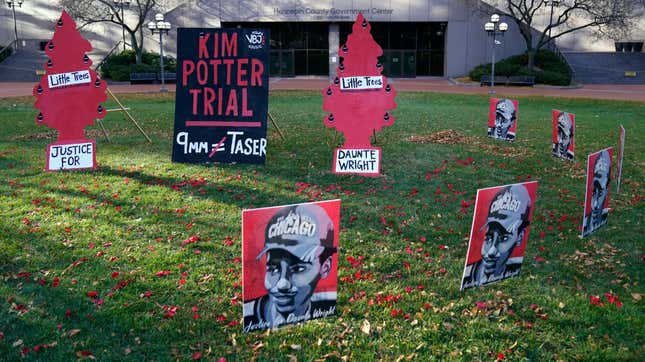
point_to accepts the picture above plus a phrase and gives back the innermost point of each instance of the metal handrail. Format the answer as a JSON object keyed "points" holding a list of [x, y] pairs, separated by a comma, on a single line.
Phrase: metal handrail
{"points": [[100, 64], [10, 46], [557, 51]]}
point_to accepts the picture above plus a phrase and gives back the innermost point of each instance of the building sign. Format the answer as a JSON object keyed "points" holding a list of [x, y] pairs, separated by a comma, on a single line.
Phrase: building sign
{"points": [[222, 95], [289, 263], [68, 97], [358, 102], [499, 233], [331, 13]]}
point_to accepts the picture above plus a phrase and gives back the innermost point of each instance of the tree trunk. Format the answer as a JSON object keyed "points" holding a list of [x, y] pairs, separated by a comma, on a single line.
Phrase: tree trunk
{"points": [[137, 47], [531, 51]]}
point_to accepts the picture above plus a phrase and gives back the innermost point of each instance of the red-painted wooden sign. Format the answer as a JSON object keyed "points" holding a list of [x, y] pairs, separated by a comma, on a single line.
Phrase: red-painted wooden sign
{"points": [[358, 102], [68, 97]]}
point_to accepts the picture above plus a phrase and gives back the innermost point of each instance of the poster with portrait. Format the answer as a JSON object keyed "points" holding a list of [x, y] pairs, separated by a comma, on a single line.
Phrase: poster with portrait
{"points": [[597, 193], [621, 153], [289, 263], [222, 96], [563, 134], [502, 119], [499, 233]]}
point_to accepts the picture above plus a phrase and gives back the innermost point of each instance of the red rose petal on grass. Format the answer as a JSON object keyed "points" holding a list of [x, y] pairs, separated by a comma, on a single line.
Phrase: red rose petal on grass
{"points": [[68, 313], [56, 282], [92, 294], [1, 336], [595, 300], [162, 273], [541, 234], [85, 354], [500, 356], [196, 356], [115, 274]]}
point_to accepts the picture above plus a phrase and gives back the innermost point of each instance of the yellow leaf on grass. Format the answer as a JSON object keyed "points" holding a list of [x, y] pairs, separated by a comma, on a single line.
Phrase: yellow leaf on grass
{"points": [[366, 327]]}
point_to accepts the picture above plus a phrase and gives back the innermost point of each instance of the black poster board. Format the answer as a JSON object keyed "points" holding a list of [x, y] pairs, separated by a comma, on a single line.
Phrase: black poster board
{"points": [[222, 97]]}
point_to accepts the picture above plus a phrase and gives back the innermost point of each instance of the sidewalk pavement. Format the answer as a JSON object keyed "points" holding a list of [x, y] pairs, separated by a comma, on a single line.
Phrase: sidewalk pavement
{"points": [[631, 92]]}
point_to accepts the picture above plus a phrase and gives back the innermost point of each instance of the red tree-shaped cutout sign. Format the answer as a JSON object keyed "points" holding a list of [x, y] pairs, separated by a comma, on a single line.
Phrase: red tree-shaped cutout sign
{"points": [[69, 94], [359, 99]]}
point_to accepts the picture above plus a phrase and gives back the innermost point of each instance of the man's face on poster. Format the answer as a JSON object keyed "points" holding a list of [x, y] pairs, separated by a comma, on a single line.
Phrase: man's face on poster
{"points": [[290, 281], [504, 117], [564, 133], [497, 247], [599, 194]]}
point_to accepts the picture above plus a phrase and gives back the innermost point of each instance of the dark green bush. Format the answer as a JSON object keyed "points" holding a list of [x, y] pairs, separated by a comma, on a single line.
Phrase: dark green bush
{"points": [[553, 78], [119, 66], [549, 68]]}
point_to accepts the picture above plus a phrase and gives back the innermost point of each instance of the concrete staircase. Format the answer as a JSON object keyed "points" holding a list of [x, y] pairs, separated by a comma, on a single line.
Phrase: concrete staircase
{"points": [[22, 65], [607, 68]]}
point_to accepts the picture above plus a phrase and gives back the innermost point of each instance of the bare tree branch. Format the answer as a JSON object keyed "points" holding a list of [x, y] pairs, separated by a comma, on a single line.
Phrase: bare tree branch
{"points": [[607, 17], [106, 11]]}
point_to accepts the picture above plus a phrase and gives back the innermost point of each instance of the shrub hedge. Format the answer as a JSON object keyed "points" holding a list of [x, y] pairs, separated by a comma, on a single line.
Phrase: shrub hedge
{"points": [[119, 66], [549, 68]]}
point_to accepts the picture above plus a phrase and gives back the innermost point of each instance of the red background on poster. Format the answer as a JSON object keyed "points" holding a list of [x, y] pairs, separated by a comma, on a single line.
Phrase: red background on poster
{"points": [[484, 198], [69, 109], [253, 224], [491, 113], [358, 113], [554, 116], [591, 159]]}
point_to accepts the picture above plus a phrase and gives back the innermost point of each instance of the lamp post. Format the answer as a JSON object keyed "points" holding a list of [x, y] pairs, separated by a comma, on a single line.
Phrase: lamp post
{"points": [[552, 4], [161, 27], [12, 4], [494, 28], [122, 4]]}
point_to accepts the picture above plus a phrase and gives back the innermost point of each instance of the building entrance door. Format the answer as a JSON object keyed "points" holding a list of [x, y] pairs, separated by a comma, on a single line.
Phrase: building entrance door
{"points": [[282, 63], [399, 63]]}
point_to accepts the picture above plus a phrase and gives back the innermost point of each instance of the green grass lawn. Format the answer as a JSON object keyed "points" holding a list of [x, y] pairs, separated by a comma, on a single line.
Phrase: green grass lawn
{"points": [[80, 251]]}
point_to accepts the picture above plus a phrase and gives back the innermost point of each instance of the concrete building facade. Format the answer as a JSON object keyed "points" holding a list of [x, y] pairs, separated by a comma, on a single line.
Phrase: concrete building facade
{"points": [[419, 37]]}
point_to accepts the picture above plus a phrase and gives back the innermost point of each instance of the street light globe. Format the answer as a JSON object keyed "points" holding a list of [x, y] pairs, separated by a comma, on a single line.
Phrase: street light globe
{"points": [[494, 18], [160, 25], [503, 26], [166, 25], [159, 17], [152, 25], [489, 26]]}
